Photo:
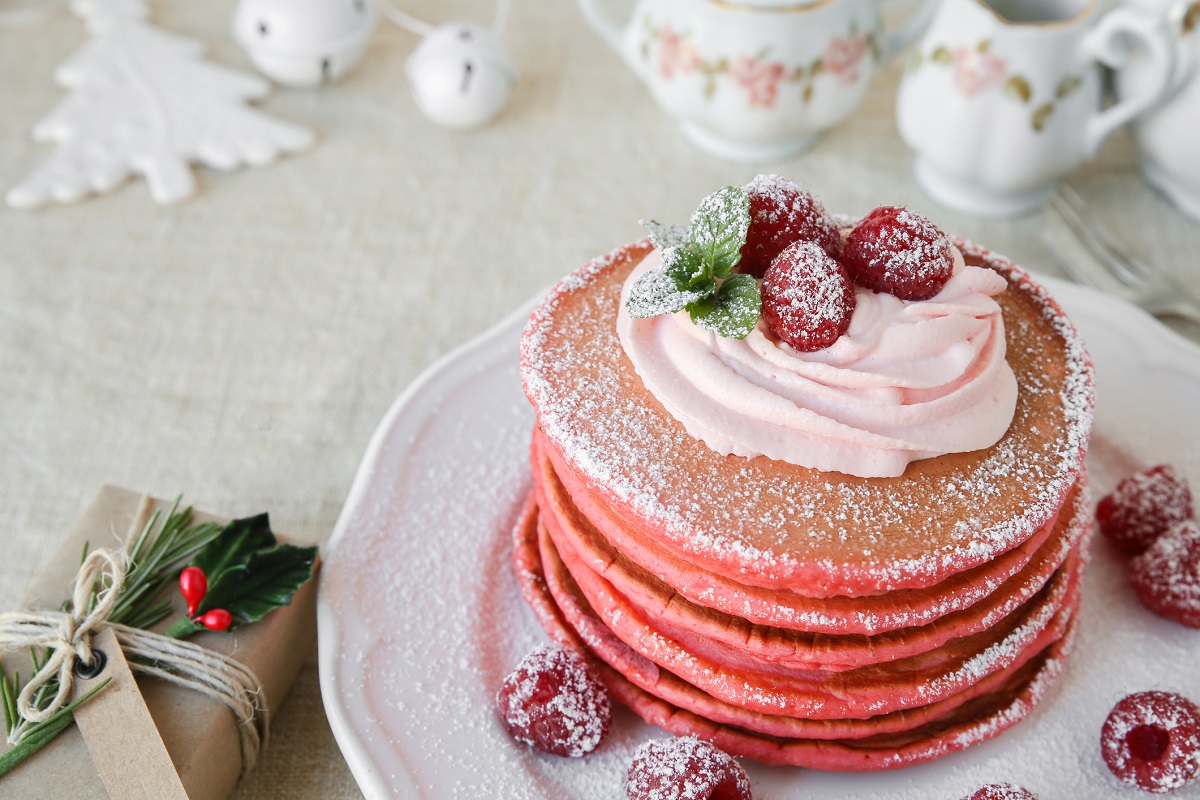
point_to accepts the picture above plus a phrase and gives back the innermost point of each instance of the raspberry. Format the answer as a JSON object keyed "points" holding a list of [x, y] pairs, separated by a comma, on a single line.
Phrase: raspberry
{"points": [[900, 252], [554, 700], [1152, 740], [1143, 506], [685, 769], [782, 213], [1002, 791], [1167, 576], [807, 298]]}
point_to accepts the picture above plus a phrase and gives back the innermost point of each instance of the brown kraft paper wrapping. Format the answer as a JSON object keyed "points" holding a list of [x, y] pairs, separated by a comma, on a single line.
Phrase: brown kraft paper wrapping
{"points": [[200, 735]]}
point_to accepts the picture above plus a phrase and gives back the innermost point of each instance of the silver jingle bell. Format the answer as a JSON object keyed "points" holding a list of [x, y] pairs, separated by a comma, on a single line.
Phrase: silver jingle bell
{"points": [[460, 75], [304, 42]]}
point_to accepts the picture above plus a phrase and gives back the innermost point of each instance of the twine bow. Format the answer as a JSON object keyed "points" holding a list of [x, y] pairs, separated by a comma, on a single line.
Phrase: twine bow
{"points": [[66, 635]]}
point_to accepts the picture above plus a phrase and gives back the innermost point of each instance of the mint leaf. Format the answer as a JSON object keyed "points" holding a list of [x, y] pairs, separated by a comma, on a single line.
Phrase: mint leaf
{"points": [[655, 293], [687, 270], [233, 547], [719, 229], [265, 582], [665, 234], [733, 311]]}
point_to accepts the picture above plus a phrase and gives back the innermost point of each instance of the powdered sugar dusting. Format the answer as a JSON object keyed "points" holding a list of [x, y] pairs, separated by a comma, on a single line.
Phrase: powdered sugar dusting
{"points": [[900, 252], [1003, 791], [1143, 506], [776, 528], [807, 297], [1171, 718], [442, 499], [554, 701], [685, 768], [1167, 576]]}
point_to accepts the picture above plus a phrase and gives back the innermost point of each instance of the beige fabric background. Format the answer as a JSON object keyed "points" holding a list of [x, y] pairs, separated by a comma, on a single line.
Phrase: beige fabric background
{"points": [[241, 347]]}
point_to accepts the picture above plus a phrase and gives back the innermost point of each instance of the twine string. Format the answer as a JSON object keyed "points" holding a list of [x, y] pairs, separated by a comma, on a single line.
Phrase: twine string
{"points": [[66, 636]]}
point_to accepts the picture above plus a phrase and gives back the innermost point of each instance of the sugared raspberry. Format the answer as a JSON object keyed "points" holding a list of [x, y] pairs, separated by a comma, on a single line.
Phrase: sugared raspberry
{"points": [[554, 700], [782, 213], [685, 769], [1002, 791], [1167, 576], [900, 252], [807, 297], [1152, 740], [1143, 506]]}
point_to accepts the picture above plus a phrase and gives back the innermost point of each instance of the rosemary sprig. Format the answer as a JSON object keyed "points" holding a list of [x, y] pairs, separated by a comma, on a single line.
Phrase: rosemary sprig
{"points": [[41, 734], [155, 560]]}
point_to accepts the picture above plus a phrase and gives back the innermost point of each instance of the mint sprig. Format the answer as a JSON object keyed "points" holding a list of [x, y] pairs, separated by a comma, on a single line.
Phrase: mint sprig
{"points": [[733, 311], [697, 271]]}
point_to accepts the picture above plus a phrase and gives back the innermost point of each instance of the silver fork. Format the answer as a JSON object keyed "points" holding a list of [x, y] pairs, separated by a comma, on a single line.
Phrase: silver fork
{"points": [[1110, 265]]}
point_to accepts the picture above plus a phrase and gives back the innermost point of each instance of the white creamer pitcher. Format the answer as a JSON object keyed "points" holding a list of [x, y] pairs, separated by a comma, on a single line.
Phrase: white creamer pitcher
{"points": [[1003, 97], [756, 79], [1168, 153]]}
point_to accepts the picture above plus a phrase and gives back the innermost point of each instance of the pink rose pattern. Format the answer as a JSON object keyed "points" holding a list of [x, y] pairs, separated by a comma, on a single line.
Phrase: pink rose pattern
{"points": [[760, 78], [675, 53], [844, 55], [977, 71]]}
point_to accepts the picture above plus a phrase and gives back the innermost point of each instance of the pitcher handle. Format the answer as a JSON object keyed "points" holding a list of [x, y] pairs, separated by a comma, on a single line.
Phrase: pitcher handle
{"points": [[896, 41], [609, 32], [1109, 45]]}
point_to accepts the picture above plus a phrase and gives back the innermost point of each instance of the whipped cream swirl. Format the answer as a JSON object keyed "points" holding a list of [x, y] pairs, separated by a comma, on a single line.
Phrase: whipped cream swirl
{"points": [[908, 380]]}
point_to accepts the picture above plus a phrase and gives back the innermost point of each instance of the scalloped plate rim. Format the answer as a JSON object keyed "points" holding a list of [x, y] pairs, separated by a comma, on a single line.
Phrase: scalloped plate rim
{"points": [[1158, 345]]}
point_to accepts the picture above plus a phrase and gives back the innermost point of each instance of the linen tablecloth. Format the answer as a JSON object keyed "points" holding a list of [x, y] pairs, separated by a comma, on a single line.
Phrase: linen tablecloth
{"points": [[241, 347]]}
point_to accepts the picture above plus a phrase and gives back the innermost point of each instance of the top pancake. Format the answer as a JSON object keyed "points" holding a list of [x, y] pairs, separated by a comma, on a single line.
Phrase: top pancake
{"points": [[773, 524]]}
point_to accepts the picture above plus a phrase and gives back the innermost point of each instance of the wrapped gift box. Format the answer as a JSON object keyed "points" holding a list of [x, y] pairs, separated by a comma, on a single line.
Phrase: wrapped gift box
{"points": [[200, 735]]}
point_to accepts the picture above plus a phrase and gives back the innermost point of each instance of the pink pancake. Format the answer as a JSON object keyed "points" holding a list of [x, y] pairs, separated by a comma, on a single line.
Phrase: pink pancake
{"points": [[903, 738], [1033, 561], [1020, 572], [778, 526], [857, 694], [708, 656], [698, 628]]}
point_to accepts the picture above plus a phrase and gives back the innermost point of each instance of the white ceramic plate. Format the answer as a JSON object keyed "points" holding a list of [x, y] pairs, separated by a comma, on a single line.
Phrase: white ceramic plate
{"points": [[420, 616]]}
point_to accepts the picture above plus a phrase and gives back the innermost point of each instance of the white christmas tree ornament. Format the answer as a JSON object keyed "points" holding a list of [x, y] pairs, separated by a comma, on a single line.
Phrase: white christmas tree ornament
{"points": [[143, 101]]}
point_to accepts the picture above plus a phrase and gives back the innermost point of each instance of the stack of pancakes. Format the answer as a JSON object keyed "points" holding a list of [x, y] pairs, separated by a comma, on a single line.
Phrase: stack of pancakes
{"points": [[791, 615]]}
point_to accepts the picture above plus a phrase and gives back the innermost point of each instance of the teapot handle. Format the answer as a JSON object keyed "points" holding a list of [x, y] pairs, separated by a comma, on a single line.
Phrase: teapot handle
{"points": [[608, 30], [896, 41], [1109, 44]]}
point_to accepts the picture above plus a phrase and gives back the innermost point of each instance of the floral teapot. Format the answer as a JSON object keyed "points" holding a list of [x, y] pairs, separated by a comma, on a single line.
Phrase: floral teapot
{"points": [[756, 79]]}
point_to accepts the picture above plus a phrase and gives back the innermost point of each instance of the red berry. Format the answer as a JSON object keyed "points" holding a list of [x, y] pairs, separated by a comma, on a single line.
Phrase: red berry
{"points": [[807, 298], [193, 585], [685, 769], [1167, 576], [217, 619], [1152, 740], [900, 252], [554, 700], [782, 213], [1002, 791], [1143, 506]]}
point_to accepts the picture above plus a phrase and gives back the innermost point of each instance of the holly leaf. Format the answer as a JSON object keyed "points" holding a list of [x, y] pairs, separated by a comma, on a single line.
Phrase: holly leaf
{"points": [[233, 546], [719, 229], [686, 268], [655, 293], [733, 311], [665, 234], [267, 581]]}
